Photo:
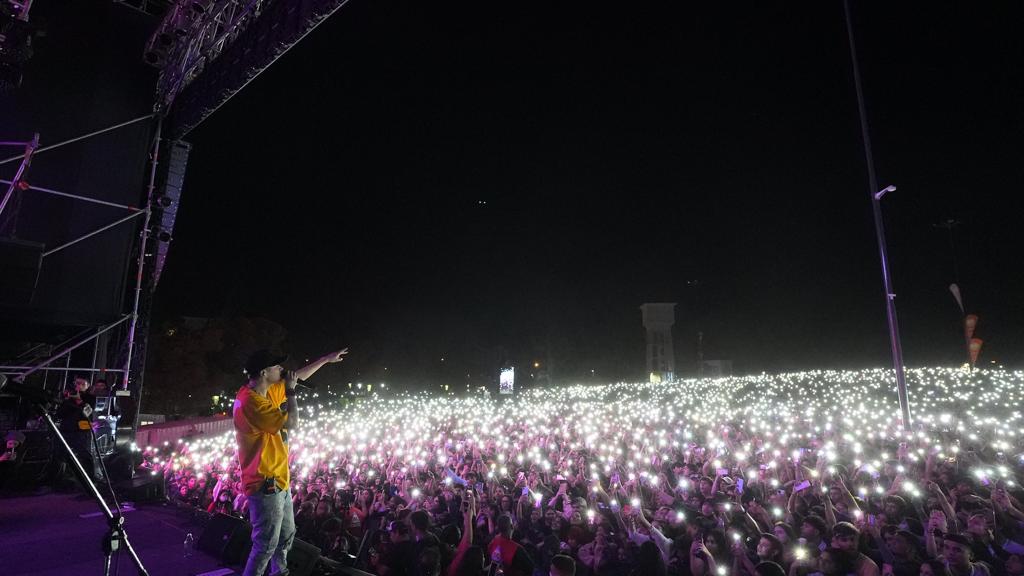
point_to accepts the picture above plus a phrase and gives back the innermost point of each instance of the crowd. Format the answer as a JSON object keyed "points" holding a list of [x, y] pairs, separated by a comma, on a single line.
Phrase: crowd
{"points": [[799, 474]]}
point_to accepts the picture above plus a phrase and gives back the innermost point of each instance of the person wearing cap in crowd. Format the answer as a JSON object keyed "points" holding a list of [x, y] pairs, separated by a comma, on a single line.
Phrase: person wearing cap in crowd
{"points": [[846, 537], [14, 440], [956, 551], [983, 544], [264, 407], [9, 458]]}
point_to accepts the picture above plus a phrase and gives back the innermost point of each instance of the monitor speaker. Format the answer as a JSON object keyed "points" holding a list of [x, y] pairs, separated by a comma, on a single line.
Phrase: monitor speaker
{"points": [[228, 538], [143, 487], [302, 558]]}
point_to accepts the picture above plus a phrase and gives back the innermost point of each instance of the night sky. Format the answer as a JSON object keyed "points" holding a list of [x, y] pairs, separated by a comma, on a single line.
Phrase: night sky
{"points": [[487, 183]]}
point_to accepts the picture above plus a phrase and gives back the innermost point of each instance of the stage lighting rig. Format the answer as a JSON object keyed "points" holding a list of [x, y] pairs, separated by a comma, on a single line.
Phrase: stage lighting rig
{"points": [[207, 50], [16, 36], [192, 34]]}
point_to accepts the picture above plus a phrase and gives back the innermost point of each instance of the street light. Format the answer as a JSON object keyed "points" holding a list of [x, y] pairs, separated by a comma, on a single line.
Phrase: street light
{"points": [[876, 209], [883, 191]]}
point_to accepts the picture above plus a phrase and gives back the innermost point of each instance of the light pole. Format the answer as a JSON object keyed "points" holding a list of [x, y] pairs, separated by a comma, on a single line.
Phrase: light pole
{"points": [[890, 308], [876, 209]]}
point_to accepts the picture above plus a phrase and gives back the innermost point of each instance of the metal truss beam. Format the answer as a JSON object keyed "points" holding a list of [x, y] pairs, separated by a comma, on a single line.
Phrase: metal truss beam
{"points": [[220, 65]]}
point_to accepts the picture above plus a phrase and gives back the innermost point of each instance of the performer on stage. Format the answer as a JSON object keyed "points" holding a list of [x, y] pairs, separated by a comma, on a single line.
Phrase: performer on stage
{"points": [[264, 409]]}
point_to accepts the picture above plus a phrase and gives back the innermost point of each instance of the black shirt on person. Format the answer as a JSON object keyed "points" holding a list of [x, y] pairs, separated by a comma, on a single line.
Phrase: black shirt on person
{"points": [[75, 414], [402, 559]]}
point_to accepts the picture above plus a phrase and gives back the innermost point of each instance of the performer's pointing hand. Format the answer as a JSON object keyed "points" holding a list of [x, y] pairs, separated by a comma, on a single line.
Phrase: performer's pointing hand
{"points": [[336, 356]]}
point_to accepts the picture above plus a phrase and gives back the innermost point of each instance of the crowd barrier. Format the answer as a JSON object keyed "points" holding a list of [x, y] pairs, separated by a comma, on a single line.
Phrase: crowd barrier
{"points": [[156, 434]]}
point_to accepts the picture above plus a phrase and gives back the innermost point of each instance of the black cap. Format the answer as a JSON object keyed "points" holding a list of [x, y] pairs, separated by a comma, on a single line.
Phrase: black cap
{"points": [[958, 538], [261, 359], [907, 535]]}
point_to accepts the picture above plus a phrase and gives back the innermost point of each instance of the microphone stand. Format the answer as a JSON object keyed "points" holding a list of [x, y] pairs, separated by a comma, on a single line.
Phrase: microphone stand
{"points": [[115, 536]]}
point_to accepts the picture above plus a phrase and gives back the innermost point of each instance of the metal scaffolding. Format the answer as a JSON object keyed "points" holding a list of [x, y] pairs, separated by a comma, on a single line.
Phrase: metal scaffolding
{"points": [[20, 371]]}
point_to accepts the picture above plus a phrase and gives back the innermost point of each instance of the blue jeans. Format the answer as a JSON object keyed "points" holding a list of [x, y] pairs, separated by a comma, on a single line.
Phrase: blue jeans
{"points": [[273, 531]]}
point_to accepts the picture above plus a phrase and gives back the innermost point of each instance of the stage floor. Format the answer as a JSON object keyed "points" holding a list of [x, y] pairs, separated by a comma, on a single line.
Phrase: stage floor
{"points": [[47, 535]]}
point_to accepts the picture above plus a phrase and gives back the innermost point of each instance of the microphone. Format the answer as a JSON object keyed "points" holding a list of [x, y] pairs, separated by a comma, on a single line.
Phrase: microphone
{"points": [[290, 374]]}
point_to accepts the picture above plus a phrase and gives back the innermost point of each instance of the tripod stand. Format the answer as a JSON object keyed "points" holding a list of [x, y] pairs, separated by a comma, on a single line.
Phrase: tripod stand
{"points": [[115, 536]]}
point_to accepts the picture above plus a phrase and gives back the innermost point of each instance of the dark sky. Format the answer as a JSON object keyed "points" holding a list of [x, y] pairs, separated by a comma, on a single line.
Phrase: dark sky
{"points": [[470, 180]]}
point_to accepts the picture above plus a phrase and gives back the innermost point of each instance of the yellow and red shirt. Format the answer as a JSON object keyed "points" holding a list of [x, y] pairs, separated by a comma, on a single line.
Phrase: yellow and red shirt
{"points": [[262, 452]]}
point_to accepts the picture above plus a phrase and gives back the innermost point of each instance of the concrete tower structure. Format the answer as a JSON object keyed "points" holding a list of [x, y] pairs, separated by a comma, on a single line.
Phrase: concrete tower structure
{"points": [[658, 319]]}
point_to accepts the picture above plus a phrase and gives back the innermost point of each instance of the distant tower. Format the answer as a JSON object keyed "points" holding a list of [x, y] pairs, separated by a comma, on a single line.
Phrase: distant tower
{"points": [[658, 320]]}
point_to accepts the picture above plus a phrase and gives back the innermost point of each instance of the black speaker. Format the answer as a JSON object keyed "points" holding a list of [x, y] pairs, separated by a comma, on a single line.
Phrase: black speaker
{"points": [[228, 538], [165, 210], [129, 409], [302, 558], [19, 270], [239, 545], [19, 476], [35, 465], [39, 445], [144, 486]]}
